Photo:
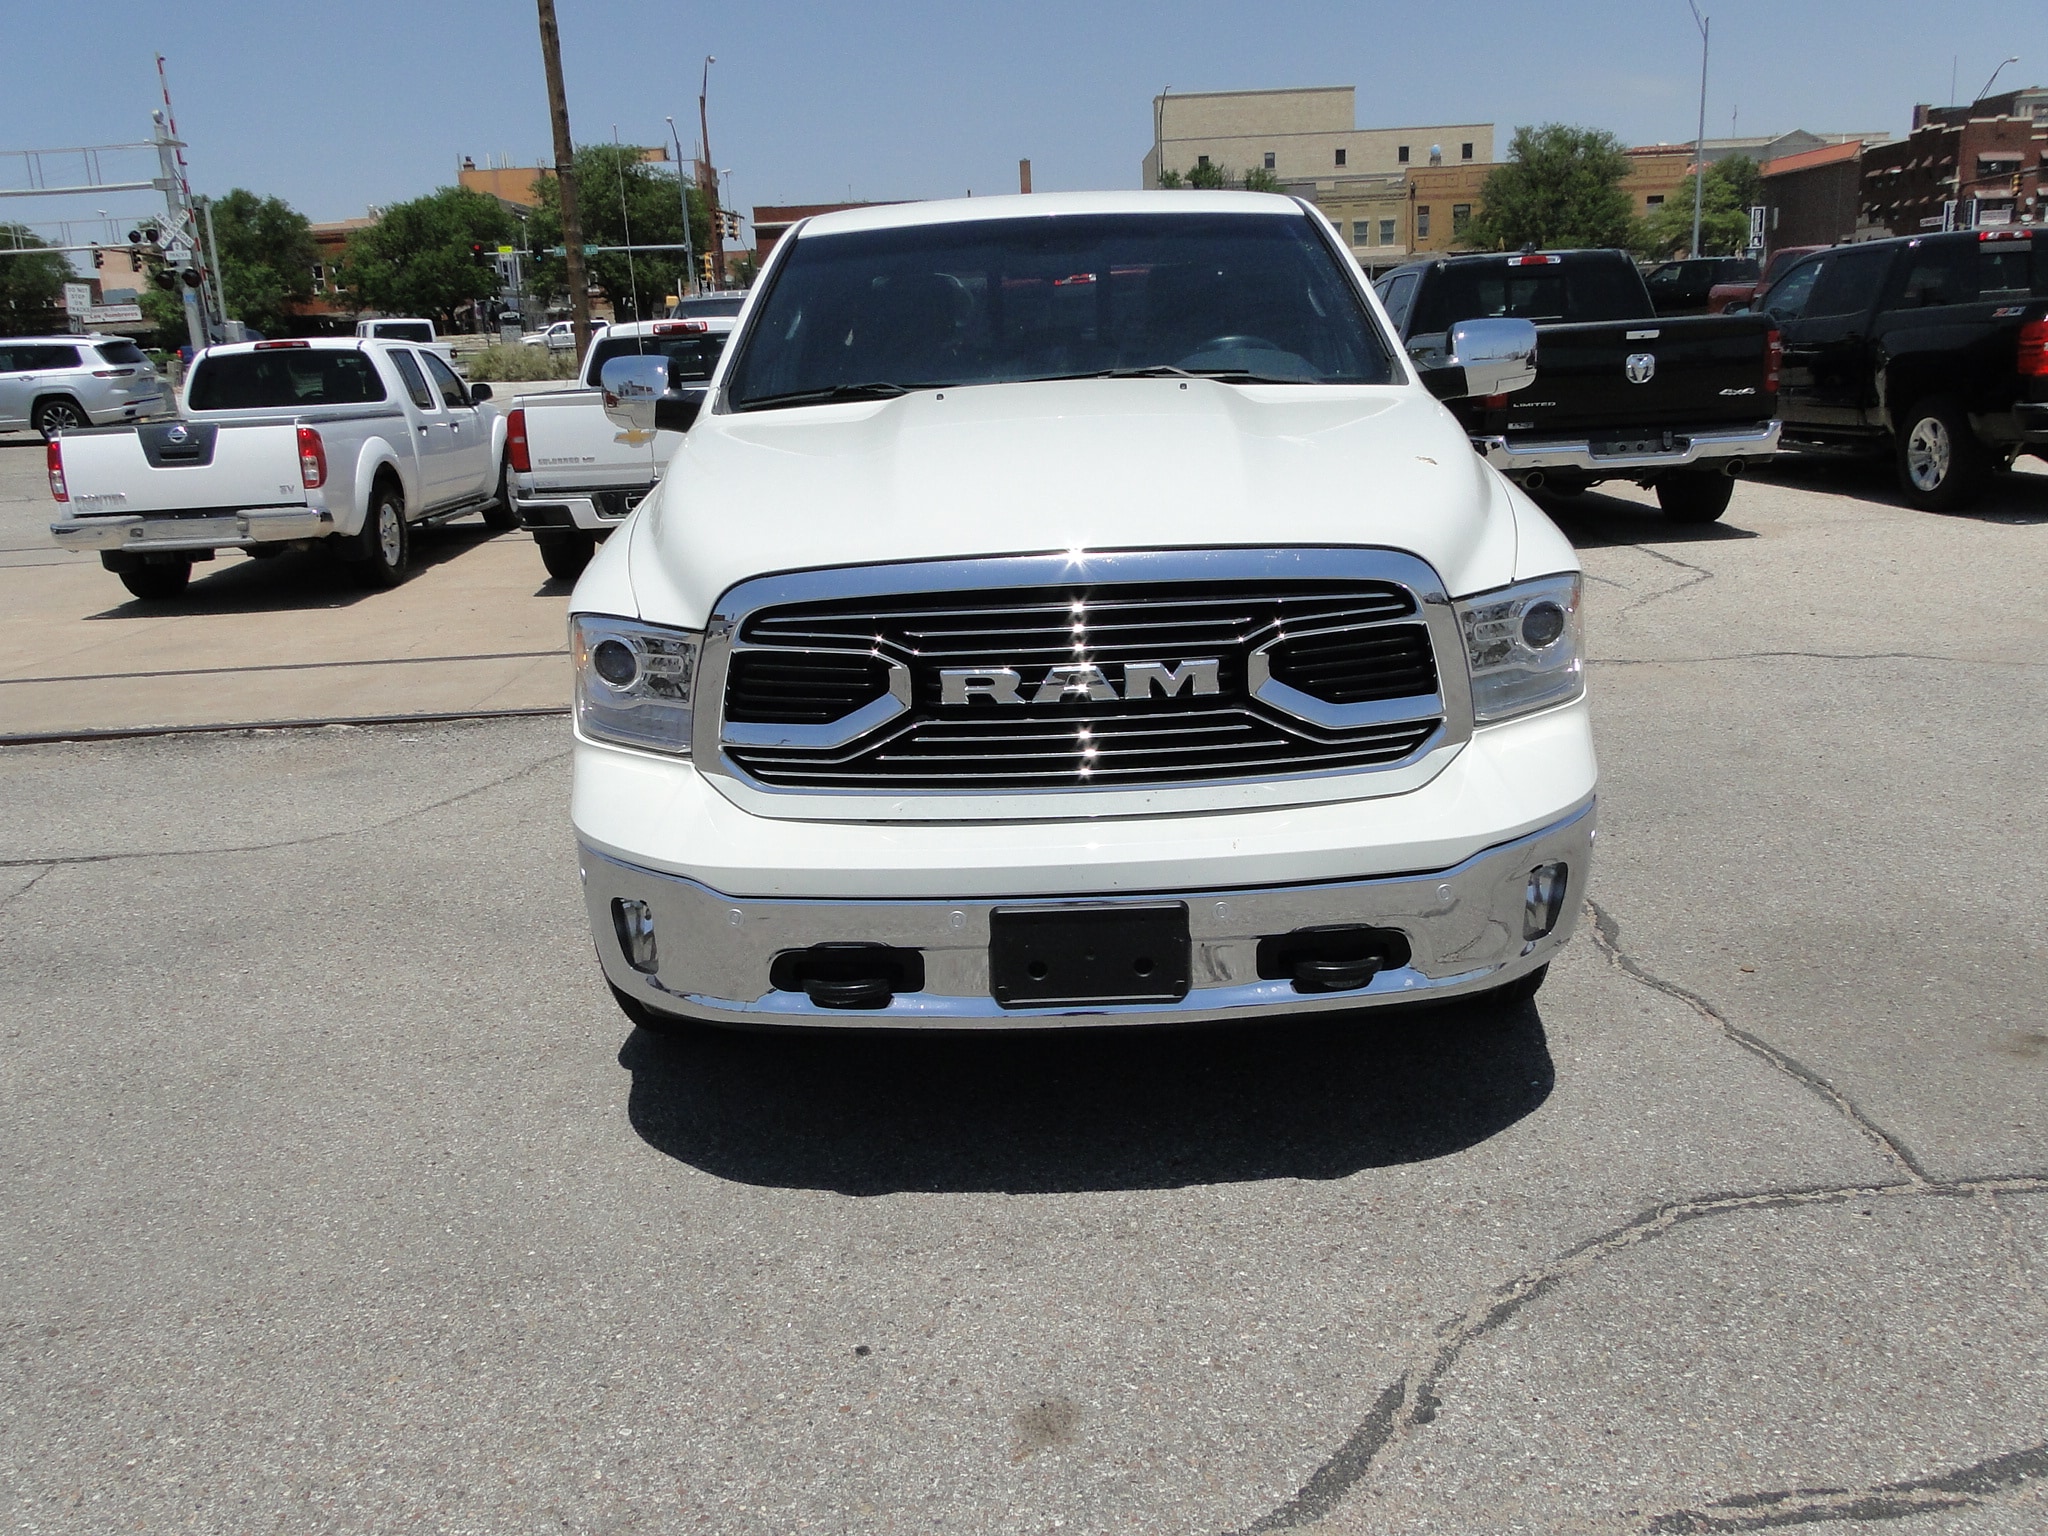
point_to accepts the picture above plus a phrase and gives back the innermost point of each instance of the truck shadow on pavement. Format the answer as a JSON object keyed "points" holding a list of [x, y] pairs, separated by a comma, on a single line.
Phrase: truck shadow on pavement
{"points": [[294, 580], [1592, 520], [2017, 497], [1098, 1109]]}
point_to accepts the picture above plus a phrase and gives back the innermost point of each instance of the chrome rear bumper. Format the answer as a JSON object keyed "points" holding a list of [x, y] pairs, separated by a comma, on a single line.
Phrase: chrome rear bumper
{"points": [[229, 530], [1747, 442], [1464, 926]]}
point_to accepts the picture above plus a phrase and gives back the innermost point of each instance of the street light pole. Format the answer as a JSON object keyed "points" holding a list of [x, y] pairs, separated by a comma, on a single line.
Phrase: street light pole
{"points": [[1994, 76], [683, 191], [1159, 138], [1699, 146], [711, 176]]}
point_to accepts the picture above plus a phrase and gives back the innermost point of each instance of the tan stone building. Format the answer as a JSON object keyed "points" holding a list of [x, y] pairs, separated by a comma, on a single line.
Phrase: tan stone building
{"points": [[1307, 134]]}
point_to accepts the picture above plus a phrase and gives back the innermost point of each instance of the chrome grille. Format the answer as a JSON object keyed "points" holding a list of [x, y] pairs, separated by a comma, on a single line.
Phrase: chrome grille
{"points": [[1333, 646]]}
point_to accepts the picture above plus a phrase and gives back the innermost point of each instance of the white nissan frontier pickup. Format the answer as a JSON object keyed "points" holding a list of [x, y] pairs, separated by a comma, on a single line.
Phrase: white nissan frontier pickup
{"points": [[1076, 610]]}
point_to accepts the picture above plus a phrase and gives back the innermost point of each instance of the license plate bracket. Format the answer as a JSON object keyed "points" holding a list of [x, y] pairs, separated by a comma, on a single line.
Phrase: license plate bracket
{"points": [[1043, 957]]}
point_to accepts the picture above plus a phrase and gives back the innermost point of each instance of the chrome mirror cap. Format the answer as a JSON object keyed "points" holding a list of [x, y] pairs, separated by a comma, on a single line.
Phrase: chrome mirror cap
{"points": [[631, 386], [1498, 357]]}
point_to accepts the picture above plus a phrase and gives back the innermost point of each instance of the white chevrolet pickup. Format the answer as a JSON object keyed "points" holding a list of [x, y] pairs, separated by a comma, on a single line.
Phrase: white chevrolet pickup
{"points": [[575, 474], [1077, 610], [285, 444]]}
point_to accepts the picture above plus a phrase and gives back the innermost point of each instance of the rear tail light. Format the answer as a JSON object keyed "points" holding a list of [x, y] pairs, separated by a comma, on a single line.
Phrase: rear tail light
{"points": [[676, 327], [312, 459], [55, 455], [2033, 350], [515, 441], [1535, 261], [273, 346], [1774, 354]]}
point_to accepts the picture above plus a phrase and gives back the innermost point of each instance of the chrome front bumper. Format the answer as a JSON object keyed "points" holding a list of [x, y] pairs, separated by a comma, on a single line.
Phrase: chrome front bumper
{"points": [[228, 530], [1464, 926], [1510, 458]]}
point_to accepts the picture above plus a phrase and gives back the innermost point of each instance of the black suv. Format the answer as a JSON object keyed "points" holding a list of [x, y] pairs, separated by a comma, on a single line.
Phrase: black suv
{"points": [[1682, 287]]}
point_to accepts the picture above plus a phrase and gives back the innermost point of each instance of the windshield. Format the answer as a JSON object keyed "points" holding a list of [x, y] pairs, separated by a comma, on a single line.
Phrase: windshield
{"points": [[1249, 296], [726, 304], [1565, 289], [254, 381], [689, 357], [418, 331]]}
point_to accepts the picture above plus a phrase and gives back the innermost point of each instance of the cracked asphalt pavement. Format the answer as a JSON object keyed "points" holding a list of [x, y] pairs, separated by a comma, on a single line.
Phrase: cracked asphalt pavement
{"points": [[338, 1196]]}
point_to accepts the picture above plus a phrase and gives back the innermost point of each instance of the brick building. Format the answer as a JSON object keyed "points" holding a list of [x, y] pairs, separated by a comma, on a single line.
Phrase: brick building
{"points": [[1985, 159], [1813, 198], [772, 220]]}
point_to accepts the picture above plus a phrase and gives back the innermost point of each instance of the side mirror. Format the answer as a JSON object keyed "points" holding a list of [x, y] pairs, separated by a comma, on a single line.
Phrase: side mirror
{"points": [[478, 393], [637, 396], [1484, 357]]}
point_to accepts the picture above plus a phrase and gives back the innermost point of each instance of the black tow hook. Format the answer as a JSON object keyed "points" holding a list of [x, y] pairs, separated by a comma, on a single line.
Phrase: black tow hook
{"points": [[848, 975], [1334, 957]]}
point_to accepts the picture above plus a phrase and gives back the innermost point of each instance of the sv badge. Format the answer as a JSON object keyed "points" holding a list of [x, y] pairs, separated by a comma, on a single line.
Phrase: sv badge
{"points": [[1080, 681]]}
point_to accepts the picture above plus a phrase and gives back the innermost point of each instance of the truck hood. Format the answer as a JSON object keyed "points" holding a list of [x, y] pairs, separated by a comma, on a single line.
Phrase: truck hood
{"points": [[1037, 467]]}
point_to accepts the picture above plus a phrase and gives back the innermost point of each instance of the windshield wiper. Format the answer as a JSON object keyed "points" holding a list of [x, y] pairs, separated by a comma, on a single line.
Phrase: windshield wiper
{"points": [[1171, 371], [879, 390]]}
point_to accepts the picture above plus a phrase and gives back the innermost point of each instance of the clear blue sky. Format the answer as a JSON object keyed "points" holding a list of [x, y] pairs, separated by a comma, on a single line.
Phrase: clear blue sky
{"points": [[334, 106]]}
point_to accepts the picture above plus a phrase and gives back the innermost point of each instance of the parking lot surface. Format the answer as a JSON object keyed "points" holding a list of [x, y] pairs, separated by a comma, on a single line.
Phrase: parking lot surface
{"points": [[341, 1198]]}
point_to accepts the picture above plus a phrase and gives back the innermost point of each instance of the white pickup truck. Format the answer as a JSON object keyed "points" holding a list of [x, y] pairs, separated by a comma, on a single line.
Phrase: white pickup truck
{"points": [[419, 333], [575, 474], [1077, 610], [285, 444]]}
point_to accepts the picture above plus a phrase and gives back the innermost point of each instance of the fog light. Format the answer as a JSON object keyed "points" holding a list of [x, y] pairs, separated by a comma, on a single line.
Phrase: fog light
{"points": [[634, 921], [1542, 903]]}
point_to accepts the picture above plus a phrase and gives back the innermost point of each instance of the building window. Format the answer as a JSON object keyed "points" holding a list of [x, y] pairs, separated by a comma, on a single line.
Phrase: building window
{"points": [[1654, 200], [1401, 154], [1386, 231], [1461, 215], [1464, 151], [1361, 231], [1202, 161], [1422, 222], [1269, 159], [1340, 157]]}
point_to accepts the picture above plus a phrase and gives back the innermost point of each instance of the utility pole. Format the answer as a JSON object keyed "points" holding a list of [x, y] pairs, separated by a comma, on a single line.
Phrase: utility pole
{"points": [[1699, 148], [688, 285], [565, 175], [709, 181]]}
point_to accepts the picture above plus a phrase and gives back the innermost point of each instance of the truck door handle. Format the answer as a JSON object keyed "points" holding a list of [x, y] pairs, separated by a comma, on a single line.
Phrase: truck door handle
{"points": [[423, 429]]}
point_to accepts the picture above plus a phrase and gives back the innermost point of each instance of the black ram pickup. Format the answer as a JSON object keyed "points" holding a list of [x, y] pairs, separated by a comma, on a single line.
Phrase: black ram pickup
{"points": [[1933, 349], [1680, 405]]}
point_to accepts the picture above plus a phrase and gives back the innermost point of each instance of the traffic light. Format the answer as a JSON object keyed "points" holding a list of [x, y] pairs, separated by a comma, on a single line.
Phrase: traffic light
{"points": [[99, 257], [481, 255], [704, 273]]}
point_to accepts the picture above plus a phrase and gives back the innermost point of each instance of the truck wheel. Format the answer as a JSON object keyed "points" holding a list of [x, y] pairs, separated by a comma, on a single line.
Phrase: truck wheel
{"points": [[57, 415], [1697, 496], [156, 582], [1516, 992], [565, 551], [501, 516], [1942, 466], [384, 548]]}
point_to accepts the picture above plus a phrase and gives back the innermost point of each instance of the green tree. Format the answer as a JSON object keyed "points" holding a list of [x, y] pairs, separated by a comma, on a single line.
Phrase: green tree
{"points": [[1560, 187], [1733, 186], [30, 286], [266, 258], [1171, 181], [619, 193], [416, 260], [1210, 178], [1260, 179]]}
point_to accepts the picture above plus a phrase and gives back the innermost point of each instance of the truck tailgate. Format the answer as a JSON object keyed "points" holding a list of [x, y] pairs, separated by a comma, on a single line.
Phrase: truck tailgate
{"points": [[182, 466], [1691, 372], [574, 446]]}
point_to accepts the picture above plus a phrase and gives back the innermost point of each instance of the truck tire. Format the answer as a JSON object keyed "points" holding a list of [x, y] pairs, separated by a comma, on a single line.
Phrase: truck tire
{"points": [[58, 414], [500, 516], [1694, 496], [157, 581], [383, 551], [565, 551], [1941, 464]]}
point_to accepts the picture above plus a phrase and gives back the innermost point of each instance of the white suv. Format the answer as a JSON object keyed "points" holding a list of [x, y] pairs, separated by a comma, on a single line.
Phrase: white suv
{"points": [[58, 384]]}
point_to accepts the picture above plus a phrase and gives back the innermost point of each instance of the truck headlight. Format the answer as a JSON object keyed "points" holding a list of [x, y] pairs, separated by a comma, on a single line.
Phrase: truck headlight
{"points": [[1523, 645], [635, 683]]}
